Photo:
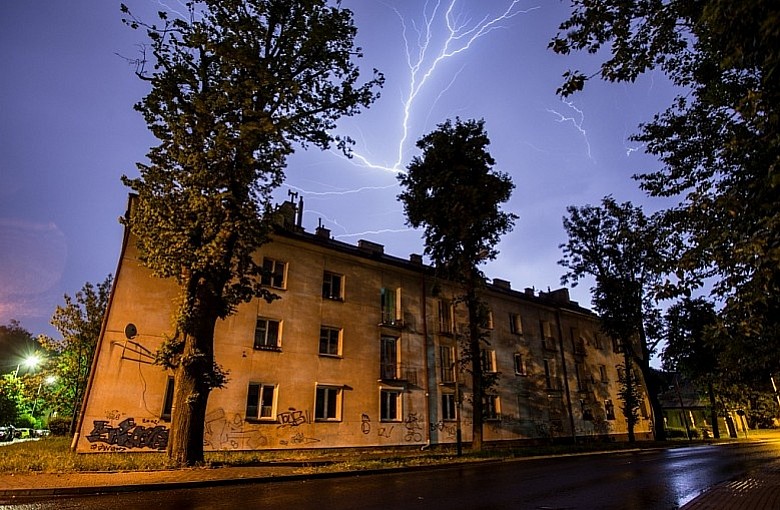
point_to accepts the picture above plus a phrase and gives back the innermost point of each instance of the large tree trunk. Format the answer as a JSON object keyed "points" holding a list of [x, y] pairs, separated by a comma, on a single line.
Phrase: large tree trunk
{"points": [[629, 391], [476, 368], [653, 385], [192, 385], [713, 410]]}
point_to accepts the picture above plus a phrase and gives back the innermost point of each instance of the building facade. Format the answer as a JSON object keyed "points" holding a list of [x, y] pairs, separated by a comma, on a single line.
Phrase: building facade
{"points": [[362, 349]]}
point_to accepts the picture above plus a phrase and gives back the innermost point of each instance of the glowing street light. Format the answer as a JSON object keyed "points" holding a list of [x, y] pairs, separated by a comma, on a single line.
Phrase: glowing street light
{"points": [[30, 362], [49, 380]]}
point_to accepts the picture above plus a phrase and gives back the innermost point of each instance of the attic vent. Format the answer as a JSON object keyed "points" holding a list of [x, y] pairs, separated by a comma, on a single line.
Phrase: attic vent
{"points": [[372, 248]]}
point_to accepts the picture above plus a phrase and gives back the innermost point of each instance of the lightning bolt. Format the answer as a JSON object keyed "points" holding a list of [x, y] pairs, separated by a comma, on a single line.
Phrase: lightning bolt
{"points": [[576, 121], [422, 59]]}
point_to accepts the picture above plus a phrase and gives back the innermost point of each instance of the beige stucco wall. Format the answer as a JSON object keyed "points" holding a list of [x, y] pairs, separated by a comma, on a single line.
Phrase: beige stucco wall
{"points": [[124, 405]]}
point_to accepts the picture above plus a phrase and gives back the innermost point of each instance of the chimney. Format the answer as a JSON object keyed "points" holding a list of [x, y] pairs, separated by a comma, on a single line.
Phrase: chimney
{"points": [[529, 291], [322, 231], [371, 248], [416, 259], [502, 284]]}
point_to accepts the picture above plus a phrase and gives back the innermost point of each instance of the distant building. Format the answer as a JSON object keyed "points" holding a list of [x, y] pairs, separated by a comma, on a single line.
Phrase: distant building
{"points": [[362, 350]]}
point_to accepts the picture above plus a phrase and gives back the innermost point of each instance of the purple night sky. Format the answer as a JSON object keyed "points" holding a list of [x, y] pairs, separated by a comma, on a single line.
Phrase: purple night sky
{"points": [[69, 132]]}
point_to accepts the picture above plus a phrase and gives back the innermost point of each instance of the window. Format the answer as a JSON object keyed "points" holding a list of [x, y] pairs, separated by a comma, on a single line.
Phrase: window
{"points": [[332, 286], [491, 407], [330, 341], [445, 316], [268, 334], [582, 384], [617, 345], [260, 402], [550, 378], [448, 407], [610, 409], [587, 414], [488, 360], [621, 374], [515, 324], [489, 319], [273, 273], [597, 341], [167, 407], [603, 373], [447, 366], [520, 368], [390, 405], [548, 342], [327, 406], [389, 358], [577, 342], [390, 300]]}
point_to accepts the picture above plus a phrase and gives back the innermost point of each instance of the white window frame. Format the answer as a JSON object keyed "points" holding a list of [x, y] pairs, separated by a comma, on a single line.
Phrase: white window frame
{"points": [[447, 363], [516, 324], [390, 397], [264, 412], [491, 403], [267, 345], [328, 278], [269, 280], [390, 369], [488, 360], [520, 365], [445, 317], [449, 407], [332, 394], [339, 333]]}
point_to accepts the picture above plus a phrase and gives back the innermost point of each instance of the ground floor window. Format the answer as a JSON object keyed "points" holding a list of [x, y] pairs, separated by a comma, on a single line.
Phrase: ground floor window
{"points": [[260, 402], [492, 407], [327, 406], [390, 405], [448, 407]]}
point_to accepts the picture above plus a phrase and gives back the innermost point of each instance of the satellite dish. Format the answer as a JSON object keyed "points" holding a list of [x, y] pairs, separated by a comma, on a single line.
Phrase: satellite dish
{"points": [[131, 331]]}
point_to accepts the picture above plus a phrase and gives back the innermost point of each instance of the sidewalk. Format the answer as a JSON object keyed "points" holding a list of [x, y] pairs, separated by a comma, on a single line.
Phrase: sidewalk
{"points": [[757, 490]]}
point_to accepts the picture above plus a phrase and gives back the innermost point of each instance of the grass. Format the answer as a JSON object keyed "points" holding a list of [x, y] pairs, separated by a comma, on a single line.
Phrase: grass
{"points": [[53, 455]]}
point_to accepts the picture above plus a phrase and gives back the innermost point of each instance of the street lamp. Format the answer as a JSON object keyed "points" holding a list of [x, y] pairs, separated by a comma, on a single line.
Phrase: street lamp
{"points": [[49, 380], [30, 362]]}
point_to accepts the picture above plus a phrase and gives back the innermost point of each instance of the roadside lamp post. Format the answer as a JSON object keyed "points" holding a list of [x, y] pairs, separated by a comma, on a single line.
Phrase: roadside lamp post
{"points": [[30, 362], [49, 380]]}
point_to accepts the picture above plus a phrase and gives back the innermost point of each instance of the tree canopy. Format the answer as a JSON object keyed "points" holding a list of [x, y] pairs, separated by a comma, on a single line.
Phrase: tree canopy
{"points": [[236, 85], [453, 193], [719, 141]]}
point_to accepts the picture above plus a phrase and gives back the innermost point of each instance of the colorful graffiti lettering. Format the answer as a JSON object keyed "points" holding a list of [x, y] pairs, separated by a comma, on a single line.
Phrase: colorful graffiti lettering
{"points": [[129, 435]]}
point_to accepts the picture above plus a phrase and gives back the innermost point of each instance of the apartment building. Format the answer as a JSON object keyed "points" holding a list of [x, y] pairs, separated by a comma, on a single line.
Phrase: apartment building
{"points": [[363, 349]]}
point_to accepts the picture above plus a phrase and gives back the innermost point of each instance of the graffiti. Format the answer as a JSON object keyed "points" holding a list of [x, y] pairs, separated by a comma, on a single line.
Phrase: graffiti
{"points": [[413, 428], [106, 448], [297, 439], [129, 435], [385, 432], [447, 428], [223, 433], [293, 418], [113, 415], [365, 424]]}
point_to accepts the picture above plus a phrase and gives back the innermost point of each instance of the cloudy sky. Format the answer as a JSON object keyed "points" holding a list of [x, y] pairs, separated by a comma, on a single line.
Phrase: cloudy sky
{"points": [[68, 132]]}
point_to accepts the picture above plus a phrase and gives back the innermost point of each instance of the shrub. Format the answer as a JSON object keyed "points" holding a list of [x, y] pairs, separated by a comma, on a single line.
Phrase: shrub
{"points": [[25, 421], [680, 433], [59, 425]]}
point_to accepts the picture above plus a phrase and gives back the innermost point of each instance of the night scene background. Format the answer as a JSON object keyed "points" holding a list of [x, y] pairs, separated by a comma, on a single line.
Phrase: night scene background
{"points": [[69, 131]]}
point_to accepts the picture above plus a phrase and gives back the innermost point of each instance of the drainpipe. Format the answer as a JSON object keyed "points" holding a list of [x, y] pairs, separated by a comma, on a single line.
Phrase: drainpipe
{"points": [[565, 375], [425, 360]]}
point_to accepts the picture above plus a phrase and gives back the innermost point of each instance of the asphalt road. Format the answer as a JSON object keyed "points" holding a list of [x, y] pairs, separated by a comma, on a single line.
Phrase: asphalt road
{"points": [[656, 479]]}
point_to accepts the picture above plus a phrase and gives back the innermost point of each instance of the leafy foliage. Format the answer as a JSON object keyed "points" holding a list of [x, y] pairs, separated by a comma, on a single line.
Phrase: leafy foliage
{"points": [[235, 87], [16, 343], [453, 193], [622, 249], [79, 322], [719, 142]]}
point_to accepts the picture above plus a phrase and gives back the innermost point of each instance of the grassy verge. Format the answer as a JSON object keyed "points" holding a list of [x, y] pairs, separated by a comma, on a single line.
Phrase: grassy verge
{"points": [[53, 455]]}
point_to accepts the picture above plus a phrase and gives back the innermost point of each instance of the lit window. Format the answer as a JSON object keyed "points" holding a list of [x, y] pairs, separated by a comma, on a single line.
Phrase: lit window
{"points": [[332, 286], [330, 341], [448, 407], [520, 367], [267, 334], [273, 273], [390, 301], [260, 402], [390, 405], [328, 403]]}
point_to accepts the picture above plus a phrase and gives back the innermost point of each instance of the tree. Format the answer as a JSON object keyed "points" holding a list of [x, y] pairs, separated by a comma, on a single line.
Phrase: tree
{"points": [[453, 193], [719, 142], [690, 349], [623, 250], [234, 87], [16, 343], [79, 322]]}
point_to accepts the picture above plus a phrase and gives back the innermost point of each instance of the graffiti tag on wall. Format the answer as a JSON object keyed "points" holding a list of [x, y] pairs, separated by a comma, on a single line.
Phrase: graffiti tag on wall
{"points": [[127, 435]]}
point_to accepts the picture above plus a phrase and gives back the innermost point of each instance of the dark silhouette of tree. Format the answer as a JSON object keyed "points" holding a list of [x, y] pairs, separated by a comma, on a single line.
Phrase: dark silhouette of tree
{"points": [[719, 142], [16, 343], [235, 86], [452, 192], [79, 322], [622, 249], [689, 326]]}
